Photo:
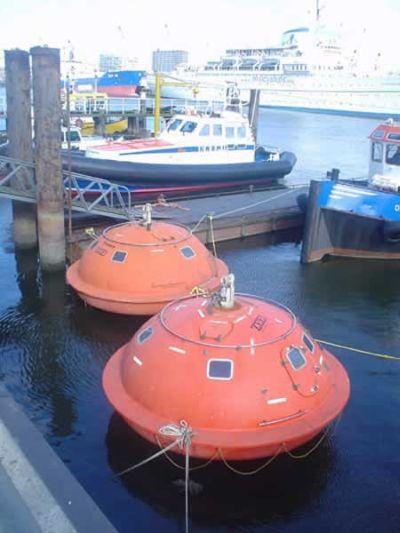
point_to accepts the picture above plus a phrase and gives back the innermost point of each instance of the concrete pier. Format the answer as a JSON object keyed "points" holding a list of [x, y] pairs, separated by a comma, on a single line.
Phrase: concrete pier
{"points": [[50, 194], [19, 131], [37, 492]]}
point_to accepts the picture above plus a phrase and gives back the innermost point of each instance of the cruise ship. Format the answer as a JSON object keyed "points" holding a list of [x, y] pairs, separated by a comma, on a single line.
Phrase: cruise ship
{"points": [[309, 71]]}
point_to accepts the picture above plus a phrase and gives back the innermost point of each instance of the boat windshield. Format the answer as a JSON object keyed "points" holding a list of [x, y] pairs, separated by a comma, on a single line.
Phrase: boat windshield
{"points": [[393, 154], [189, 127], [174, 124], [248, 64], [73, 136]]}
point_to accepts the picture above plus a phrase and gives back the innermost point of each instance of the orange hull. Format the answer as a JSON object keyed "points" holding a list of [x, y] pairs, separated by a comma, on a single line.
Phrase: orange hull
{"points": [[234, 444], [275, 399], [136, 271]]}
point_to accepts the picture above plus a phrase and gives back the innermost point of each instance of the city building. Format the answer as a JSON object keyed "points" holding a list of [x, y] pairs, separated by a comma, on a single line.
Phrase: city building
{"points": [[110, 62], [167, 60]]}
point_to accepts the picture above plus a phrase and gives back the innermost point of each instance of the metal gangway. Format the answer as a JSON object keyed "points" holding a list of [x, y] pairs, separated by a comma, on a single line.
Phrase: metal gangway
{"points": [[82, 193]]}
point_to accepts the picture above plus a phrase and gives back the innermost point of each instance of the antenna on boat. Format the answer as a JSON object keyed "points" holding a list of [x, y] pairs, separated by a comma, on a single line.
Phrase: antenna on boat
{"points": [[146, 216]]}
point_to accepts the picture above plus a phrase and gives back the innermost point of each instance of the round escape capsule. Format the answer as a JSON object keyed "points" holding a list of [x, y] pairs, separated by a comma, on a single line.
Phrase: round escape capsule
{"points": [[136, 268], [241, 372]]}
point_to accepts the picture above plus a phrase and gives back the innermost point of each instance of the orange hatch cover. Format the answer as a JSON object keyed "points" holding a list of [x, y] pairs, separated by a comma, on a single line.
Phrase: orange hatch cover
{"points": [[247, 379], [136, 268]]}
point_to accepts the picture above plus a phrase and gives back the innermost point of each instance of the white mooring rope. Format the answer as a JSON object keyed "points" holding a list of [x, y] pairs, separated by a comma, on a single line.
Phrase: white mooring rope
{"points": [[183, 433]]}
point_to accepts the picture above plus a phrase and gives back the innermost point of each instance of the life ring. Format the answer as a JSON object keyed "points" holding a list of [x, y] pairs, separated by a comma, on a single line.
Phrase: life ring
{"points": [[391, 232]]}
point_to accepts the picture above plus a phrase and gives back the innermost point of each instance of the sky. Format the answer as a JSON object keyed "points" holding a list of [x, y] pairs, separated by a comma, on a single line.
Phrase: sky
{"points": [[204, 27]]}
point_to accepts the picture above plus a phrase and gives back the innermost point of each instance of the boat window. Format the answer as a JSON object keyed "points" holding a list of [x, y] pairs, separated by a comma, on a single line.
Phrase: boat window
{"points": [[187, 252], [230, 132], [394, 136], [379, 134], [189, 127], [393, 154], [241, 132], [309, 343], [119, 257], [174, 124], [377, 152], [220, 369], [73, 136], [145, 335], [205, 130], [217, 130], [296, 358]]}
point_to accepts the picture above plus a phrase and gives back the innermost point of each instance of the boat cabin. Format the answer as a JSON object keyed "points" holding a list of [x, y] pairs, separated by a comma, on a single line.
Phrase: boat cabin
{"points": [[74, 137], [191, 138], [385, 150], [218, 128]]}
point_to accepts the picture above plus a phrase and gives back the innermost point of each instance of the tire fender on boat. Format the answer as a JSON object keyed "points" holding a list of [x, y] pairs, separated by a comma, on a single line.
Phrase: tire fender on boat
{"points": [[302, 202], [391, 232]]}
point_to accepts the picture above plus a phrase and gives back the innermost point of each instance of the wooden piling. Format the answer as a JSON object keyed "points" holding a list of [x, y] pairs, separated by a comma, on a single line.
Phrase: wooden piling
{"points": [[133, 126], [19, 132], [316, 236], [50, 192], [100, 124]]}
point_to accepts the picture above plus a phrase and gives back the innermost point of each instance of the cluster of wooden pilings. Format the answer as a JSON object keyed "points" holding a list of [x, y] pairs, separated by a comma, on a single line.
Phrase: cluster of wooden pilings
{"points": [[33, 82]]}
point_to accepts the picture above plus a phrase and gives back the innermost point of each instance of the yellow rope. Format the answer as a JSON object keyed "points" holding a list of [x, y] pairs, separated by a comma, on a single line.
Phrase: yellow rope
{"points": [[198, 291], [357, 350], [210, 220], [249, 472], [317, 444]]}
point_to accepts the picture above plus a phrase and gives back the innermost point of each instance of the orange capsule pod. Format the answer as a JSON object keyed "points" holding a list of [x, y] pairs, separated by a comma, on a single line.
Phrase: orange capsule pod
{"points": [[241, 372], [138, 267]]}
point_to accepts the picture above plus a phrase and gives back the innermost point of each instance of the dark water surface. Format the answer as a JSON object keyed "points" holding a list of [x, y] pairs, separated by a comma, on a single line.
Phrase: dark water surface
{"points": [[53, 350]]}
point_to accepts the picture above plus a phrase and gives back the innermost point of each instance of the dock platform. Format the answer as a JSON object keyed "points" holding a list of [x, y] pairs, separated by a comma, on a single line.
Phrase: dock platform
{"points": [[215, 219]]}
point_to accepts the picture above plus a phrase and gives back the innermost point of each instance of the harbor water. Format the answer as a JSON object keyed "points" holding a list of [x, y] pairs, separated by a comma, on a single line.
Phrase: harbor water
{"points": [[53, 350]]}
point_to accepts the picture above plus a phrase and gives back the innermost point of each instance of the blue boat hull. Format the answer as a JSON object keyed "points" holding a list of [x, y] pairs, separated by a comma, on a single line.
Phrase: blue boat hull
{"points": [[351, 221], [164, 177]]}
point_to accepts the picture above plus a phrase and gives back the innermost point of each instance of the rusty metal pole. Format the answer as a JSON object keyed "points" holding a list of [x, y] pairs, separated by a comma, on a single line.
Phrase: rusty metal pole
{"points": [[19, 132], [50, 191], [253, 111]]}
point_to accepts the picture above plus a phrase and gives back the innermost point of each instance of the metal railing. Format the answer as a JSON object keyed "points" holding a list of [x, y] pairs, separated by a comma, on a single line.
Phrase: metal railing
{"points": [[84, 193], [87, 105], [97, 195], [17, 174]]}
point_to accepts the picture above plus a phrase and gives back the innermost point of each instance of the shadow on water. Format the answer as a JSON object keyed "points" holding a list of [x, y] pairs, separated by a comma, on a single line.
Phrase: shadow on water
{"points": [[36, 328], [220, 497], [52, 346]]}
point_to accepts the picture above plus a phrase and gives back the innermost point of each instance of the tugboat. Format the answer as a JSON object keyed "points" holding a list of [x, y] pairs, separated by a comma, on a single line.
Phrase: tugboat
{"points": [[240, 372], [136, 268], [359, 219], [196, 152]]}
